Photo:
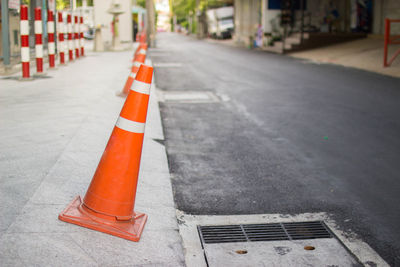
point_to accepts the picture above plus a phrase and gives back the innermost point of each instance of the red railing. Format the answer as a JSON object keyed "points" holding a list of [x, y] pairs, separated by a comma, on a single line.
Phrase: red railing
{"points": [[395, 39]]}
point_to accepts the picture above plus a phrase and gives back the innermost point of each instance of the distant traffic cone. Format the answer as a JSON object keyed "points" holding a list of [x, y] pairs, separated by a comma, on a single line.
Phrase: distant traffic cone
{"points": [[129, 82], [139, 60], [141, 50], [109, 201], [132, 75], [142, 38]]}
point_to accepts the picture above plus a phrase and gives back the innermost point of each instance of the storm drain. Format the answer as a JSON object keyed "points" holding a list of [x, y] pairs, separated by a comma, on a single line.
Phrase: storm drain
{"points": [[263, 232]]}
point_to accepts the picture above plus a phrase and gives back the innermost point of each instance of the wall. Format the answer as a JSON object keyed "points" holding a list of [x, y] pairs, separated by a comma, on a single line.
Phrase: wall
{"points": [[102, 17], [315, 12], [385, 9], [247, 18], [269, 17], [14, 34]]}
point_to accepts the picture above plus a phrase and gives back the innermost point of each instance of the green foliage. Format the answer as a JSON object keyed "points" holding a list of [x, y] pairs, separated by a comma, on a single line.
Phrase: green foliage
{"points": [[207, 4], [184, 8], [62, 4], [141, 3], [194, 26]]}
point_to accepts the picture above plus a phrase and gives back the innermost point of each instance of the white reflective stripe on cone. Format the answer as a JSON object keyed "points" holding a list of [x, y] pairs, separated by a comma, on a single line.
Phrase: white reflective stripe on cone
{"points": [[133, 75], [141, 87], [142, 51], [50, 27], [130, 126], [38, 27], [39, 50], [25, 54], [137, 64], [24, 27]]}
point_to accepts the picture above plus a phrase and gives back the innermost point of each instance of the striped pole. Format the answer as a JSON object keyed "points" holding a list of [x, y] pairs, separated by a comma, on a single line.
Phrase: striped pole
{"points": [[82, 39], [61, 45], [70, 42], [24, 29], [76, 36], [38, 40], [51, 45]]}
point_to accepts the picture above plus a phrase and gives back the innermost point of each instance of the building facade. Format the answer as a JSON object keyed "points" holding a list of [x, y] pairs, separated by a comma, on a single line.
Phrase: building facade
{"points": [[278, 18]]}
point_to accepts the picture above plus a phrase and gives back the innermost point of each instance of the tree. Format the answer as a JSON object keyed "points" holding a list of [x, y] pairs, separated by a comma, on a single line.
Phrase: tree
{"points": [[182, 9]]}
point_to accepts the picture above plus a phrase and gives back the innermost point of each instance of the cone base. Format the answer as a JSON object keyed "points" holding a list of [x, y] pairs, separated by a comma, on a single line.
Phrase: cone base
{"points": [[130, 230], [121, 94]]}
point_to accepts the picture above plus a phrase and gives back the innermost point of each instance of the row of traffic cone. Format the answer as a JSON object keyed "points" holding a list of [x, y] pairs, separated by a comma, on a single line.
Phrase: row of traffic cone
{"points": [[108, 205], [138, 59]]}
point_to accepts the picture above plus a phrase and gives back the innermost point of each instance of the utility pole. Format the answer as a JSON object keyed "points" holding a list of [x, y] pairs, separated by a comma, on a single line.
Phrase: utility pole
{"points": [[5, 35], [199, 21], [151, 21]]}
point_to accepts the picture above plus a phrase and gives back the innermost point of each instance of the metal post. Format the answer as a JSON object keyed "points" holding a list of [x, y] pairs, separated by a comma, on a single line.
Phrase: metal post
{"points": [[151, 27], [5, 35], [302, 22], [386, 42]]}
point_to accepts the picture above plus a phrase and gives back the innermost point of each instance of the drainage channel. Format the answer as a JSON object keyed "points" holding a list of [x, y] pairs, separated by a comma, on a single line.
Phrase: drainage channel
{"points": [[309, 239], [263, 232], [273, 244]]}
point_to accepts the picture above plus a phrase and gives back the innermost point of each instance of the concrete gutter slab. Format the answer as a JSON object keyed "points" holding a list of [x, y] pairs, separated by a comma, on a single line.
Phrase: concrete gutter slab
{"points": [[347, 245], [327, 252]]}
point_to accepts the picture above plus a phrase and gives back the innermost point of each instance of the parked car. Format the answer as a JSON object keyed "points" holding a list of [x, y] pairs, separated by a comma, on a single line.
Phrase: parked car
{"points": [[89, 34], [220, 22]]}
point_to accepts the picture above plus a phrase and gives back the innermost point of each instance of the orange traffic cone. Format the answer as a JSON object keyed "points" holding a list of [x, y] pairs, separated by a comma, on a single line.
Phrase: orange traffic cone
{"points": [[142, 37], [135, 68], [110, 199], [139, 59], [142, 49]]}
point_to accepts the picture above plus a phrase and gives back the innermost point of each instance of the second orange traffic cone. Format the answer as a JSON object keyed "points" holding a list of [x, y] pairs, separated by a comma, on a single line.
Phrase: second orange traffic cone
{"points": [[110, 199], [142, 49], [139, 59], [135, 68]]}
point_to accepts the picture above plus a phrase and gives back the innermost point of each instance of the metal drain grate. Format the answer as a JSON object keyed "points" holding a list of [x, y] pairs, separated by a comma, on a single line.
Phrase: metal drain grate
{"points": [[263, 232]]}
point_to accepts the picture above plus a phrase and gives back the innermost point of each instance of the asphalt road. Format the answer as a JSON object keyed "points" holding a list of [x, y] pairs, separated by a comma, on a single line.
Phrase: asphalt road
{"points": [[290, 137]]}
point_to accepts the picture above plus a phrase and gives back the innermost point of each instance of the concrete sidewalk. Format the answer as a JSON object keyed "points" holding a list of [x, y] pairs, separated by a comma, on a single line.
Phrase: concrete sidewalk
{"points": [[365, 54], [54, 131]]}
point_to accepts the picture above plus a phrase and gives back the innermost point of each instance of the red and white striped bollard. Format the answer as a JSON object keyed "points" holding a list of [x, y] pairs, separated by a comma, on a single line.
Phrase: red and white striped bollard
{"points": [[70, 42], [24, 29], [76, 36], [61, 44], [51, 45], [38, 40], [82, 38]]}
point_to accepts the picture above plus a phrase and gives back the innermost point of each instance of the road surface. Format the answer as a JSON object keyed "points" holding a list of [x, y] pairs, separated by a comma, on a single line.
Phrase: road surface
{"points": [[288, 136]]}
